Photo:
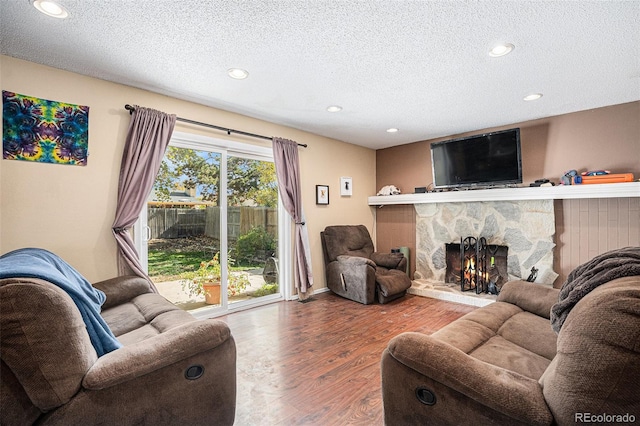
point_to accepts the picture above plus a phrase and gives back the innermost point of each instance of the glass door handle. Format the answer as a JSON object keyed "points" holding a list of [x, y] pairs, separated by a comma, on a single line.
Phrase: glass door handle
{"points": [[147, 232]]}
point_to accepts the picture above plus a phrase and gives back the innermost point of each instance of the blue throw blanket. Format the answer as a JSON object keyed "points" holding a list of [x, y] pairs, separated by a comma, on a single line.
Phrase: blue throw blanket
{"points": [[40, 263]]}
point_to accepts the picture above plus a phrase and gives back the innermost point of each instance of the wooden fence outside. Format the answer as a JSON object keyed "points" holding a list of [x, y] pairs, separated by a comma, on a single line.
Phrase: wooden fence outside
{"points": [[184, 222]]}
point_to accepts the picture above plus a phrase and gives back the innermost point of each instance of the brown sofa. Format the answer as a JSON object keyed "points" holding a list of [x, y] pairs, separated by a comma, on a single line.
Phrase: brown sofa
{"points": [[171, 370], [357, 272], [503, 363]]}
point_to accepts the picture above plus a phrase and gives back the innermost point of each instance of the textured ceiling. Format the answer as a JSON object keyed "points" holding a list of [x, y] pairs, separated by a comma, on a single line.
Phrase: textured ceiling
{"points": [[420, 66]]}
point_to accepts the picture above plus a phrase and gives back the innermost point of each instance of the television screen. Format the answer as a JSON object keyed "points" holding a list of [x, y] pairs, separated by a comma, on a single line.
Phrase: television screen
{"points": [[482, 160]]}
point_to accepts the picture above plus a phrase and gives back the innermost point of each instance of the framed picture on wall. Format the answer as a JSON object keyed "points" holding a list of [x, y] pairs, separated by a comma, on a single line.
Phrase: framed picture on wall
{"points": [[322, 194], [346, 186]]}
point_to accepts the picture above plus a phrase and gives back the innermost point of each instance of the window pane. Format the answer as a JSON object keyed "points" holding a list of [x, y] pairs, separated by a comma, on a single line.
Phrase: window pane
{"points": [[252, 220], [184, 221]]}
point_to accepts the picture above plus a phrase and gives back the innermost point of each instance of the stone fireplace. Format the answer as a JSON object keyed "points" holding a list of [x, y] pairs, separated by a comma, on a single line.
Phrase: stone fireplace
{"points": [[524, 228]]}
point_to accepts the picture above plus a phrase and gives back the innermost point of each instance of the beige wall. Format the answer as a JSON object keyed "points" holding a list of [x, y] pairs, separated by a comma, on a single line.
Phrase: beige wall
{"points": [[69, 210]]}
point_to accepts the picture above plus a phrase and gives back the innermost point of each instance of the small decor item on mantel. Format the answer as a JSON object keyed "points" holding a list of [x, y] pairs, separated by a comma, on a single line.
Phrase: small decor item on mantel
{"points": [[346, 187], [389, 190], [44, 131], [602, 176], [572, 177], [322, 194]]}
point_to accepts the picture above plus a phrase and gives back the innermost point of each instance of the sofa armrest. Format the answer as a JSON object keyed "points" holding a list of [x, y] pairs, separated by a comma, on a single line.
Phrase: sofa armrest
{"points": [[149, 355], [351, 271], [352, 277], [389, 260], [535, 298], [350, 261], [122, 289], [503, 391]]}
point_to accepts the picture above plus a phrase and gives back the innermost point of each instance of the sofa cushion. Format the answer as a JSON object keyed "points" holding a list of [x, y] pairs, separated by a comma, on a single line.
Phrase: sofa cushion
{"points": [[123, 318], [531, 332], [476, 327], [143, 317], [160, 324], [122, 289], [392, 281], [504, 335], [500, 352]]}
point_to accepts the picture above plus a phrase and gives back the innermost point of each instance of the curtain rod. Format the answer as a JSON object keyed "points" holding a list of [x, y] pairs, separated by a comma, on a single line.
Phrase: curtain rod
{"points": [[229, 131]]}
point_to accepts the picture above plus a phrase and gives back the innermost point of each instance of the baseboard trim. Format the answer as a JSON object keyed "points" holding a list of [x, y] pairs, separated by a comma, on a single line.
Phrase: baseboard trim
{"points": [[318, 291]]}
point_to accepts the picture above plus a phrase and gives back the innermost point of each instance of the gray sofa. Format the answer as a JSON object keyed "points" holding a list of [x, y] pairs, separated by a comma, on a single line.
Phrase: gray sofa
{"points": [[171, 370]]}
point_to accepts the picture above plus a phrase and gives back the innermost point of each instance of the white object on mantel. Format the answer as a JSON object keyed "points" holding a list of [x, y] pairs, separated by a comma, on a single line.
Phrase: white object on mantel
{"points": [[560, 192], [389, 190]]}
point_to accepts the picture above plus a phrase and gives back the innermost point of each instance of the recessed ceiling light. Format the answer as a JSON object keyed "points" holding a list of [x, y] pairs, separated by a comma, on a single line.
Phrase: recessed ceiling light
{"points": [[238, 73], [501, 50], [392, 130], [532, 97], [51, 8], [334, 108]]}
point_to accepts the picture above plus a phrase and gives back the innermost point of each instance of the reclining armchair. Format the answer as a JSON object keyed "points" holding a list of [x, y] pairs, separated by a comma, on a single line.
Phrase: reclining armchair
{"points": [[355, 271], [171, 369]]}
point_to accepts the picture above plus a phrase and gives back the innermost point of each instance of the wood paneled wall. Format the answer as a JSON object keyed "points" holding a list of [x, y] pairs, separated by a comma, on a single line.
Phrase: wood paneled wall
{"points": [[396, 227], [584, 229]]}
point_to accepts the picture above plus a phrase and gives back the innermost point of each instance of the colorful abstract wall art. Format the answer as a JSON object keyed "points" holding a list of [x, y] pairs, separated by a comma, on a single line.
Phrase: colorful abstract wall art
{"points": [[44, 131]]}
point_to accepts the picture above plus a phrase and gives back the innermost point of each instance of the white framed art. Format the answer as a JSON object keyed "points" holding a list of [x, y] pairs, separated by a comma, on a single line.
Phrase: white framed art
{"points": [[346, 186]]}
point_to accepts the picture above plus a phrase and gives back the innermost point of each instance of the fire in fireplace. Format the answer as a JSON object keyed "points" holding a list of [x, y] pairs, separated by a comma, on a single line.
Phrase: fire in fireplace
{"points": [[475, 265]]}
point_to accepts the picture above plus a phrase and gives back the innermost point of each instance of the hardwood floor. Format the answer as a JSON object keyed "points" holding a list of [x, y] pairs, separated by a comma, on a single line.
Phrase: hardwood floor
{"points": [[318, 363]]}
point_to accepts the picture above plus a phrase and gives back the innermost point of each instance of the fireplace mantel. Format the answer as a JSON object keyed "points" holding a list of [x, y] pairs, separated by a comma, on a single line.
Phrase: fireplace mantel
{"points": [[607, 190]]}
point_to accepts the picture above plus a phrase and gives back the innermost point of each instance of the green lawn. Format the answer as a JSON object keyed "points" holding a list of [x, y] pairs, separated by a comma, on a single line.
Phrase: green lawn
{"points": [[167, 265]]}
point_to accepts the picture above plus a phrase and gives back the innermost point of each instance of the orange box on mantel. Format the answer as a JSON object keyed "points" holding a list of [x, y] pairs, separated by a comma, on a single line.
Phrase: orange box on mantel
{"points": [[610, 178]]}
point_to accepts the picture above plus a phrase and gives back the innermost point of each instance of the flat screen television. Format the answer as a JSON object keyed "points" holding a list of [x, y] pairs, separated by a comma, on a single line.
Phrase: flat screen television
{"points": [[490, 159]]}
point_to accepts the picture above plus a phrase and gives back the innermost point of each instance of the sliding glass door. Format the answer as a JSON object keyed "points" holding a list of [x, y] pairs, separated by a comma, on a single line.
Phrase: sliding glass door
{"points": [[210, 231]]}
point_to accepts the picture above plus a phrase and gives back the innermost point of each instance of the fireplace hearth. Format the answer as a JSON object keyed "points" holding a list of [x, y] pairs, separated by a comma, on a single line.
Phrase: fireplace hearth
{"points": [[476, 266]]}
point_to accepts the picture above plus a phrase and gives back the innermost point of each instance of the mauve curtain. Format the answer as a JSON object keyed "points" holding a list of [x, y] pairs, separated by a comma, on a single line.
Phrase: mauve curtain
{"points": [[147, 140], [285, 155]]}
